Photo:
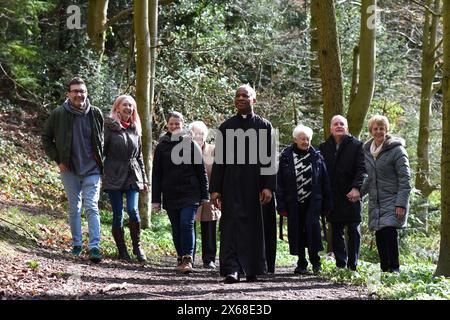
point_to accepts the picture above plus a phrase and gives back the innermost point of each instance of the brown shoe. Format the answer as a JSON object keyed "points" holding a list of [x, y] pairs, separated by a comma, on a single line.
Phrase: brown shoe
{"points": [[186, 265]]}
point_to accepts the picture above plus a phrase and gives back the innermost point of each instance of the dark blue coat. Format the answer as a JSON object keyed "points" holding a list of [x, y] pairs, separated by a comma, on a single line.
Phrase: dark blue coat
{"points": [[320, 199]]}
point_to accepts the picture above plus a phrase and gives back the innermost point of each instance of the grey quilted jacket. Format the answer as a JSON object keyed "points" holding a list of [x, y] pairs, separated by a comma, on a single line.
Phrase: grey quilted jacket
{"points": [[124, 164], [388, 183]]}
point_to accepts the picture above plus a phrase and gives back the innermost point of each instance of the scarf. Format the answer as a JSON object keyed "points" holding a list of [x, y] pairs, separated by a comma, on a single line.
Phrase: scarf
{"points": [[374, 150], [124, 124]]}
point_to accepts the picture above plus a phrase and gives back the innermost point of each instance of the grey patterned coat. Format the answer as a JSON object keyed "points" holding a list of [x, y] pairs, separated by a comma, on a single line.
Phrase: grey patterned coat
{"points": [[388, 183]]}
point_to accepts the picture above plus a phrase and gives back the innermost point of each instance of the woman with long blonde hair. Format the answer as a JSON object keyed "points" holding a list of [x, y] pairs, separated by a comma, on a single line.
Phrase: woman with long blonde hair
{"points": [[124, 172]]}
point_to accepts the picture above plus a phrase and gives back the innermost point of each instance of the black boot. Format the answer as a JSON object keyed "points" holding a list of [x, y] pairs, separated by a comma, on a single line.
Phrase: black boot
{"points": [[135, 232], [118, 235]]}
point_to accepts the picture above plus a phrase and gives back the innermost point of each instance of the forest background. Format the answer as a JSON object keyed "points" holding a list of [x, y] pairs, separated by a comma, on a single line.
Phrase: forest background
{"points": [[198, 53]]}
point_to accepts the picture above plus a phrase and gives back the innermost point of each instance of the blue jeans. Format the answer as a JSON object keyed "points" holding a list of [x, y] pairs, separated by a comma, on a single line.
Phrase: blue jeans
{"points": [[83, 192], [116, 200], [182, 221]]}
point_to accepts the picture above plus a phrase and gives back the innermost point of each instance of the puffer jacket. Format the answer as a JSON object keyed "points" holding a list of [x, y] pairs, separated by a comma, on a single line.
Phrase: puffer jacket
{"points": [[388, 183], [124, 165]]}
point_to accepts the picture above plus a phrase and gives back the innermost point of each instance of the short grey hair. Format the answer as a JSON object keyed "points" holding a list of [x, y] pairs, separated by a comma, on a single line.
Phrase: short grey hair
{"points": [[250, 90], [341, 117], [302, 129], [200, 125]]}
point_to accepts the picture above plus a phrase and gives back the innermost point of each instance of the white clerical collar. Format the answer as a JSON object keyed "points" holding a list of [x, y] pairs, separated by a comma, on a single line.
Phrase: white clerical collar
{"points": [[245, 116]]}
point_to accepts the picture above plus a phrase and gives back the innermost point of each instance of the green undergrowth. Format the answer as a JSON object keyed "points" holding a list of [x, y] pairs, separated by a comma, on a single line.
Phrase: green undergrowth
{"points": [[414, 282]]}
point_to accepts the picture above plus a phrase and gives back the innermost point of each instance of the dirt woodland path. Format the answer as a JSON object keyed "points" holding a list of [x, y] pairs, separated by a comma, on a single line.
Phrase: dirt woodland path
{"points": [[61, 276]]}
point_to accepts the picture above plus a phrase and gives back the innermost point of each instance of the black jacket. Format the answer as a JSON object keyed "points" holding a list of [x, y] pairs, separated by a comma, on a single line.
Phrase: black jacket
{"points": [[178, 185], [346, 169]]}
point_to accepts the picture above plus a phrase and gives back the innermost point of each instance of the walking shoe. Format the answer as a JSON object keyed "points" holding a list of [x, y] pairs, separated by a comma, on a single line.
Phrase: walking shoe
{"points": [[209, 265], [251, 278], [299, 270], [95, 255], [76, 250], [317, 269], [232, 278], [186, 265]]}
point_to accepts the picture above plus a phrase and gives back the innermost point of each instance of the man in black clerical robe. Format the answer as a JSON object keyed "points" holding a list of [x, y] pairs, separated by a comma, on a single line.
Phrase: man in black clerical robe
{"points": [[242, 180]]}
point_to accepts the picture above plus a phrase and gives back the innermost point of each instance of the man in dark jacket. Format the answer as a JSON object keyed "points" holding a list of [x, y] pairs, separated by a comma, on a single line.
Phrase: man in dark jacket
{"points": [[73, 138], [344, 159], [241, 183]]}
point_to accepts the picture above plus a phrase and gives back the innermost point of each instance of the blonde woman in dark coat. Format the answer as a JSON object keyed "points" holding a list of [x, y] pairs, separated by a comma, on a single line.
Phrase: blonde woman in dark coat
{"points": [[124, 171], [388, 186]]}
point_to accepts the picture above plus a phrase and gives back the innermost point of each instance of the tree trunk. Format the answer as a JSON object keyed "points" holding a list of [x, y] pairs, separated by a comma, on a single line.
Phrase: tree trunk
{"points": [[428, 71], [324, 14], [314, 95], [147, 132], [443, 265], [141, 29], [360, 101], [96, 21]]}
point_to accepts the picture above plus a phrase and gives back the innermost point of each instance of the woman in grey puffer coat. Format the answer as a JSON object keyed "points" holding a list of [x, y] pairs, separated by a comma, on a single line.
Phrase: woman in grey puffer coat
{"points": [[124, 172], [388, 185]]}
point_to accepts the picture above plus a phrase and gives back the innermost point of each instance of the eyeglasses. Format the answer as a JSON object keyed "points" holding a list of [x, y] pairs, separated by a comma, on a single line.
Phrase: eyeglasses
{"points": [[78, 91]]}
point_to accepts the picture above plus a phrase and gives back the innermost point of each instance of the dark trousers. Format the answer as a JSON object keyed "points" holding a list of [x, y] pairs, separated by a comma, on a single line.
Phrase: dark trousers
{"points": [[209, 247], [314, 258], [270, 234], [346, 254], [387, 245]]}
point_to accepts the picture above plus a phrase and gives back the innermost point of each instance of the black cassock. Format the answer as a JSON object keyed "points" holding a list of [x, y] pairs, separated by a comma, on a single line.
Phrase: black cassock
{"points": [[242, 242]]}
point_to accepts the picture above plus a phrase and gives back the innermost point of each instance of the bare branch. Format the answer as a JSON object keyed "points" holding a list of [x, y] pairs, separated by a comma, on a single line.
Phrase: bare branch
{"points": [[437, 46], [121, 15], [427, 8]]}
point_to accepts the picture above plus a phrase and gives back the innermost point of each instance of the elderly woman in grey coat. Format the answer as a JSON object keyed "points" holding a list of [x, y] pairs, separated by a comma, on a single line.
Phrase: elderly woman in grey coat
{"points": [[124, 172], [388, 186], [207, 214]]}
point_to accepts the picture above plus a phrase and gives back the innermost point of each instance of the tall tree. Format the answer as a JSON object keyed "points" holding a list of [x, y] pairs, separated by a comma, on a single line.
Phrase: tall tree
{"points": [[324, 15], [443, 265], [314, 96], [142, 34], [364, 83], [147, 132], [96, 21], [429, 69]]}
